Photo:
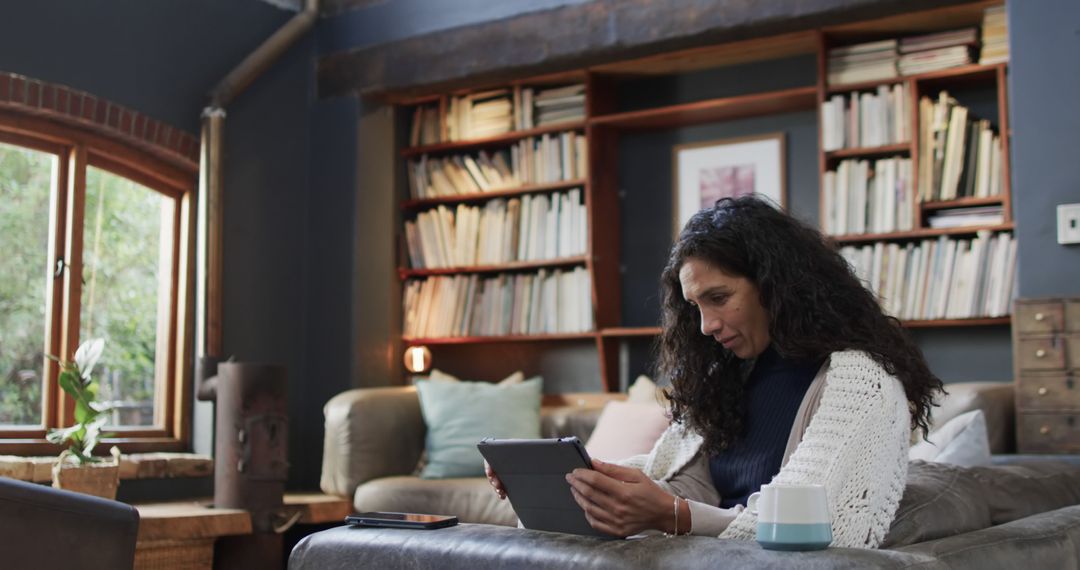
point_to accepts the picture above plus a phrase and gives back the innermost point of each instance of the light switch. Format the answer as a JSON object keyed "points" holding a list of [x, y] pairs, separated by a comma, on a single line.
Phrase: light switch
{"points": [[1068, 223]]}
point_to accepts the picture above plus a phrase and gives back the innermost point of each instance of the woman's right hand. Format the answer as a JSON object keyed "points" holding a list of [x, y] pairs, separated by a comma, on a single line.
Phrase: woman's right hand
{"points": [[494, 480]]}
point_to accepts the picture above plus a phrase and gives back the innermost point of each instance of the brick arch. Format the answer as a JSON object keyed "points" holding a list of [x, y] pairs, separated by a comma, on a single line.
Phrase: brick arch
{"points": [[76, 108]]}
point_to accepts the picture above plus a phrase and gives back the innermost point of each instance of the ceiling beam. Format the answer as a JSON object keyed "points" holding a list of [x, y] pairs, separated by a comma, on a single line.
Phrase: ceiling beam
{"points": [[580, 35]]}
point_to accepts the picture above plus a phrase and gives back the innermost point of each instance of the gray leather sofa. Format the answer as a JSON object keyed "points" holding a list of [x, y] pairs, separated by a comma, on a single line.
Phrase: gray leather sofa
{"points": [[1001, 516]]}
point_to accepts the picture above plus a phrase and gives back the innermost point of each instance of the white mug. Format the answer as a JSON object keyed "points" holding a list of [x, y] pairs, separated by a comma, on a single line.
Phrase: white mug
{"points": [[792, 517]]}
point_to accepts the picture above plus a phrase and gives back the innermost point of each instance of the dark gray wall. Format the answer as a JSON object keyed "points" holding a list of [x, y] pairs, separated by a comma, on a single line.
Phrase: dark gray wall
{"points": [[1044, 83], [289, 175]]}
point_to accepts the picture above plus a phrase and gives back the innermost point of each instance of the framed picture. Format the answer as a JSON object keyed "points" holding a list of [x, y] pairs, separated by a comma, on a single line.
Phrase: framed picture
{"points": [[708, 171]]}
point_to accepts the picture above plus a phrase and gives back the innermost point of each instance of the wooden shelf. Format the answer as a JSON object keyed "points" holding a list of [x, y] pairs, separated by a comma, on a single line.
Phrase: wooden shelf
{"points": [[919, 234], [421, 203], [977, 322], [868, 152], [405, 273], [787, 100], [498, 339], [621, 332], [501, 140], [974, 72], [961, 203]]}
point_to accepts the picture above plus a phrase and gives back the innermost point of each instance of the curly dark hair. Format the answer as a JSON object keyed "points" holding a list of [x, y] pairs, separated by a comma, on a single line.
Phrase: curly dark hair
{"points": [[815, 303]]}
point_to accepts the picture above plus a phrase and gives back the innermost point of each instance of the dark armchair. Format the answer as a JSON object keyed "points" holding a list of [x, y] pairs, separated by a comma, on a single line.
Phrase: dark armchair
{"points": [[46, 528]]}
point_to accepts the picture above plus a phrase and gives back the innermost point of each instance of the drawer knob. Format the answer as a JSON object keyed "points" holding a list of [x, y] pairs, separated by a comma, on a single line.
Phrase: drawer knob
{"points": [[1039, 316], [1044, 430], [1040, 353], [1042, 390]]}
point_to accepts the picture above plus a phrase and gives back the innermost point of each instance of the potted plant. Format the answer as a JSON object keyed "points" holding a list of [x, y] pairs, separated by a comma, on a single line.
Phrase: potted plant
{"points": [[77, 469]]}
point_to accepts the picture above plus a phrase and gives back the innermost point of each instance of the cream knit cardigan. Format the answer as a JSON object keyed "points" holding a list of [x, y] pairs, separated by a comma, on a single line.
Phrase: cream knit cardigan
{"points": [[856, 445]]}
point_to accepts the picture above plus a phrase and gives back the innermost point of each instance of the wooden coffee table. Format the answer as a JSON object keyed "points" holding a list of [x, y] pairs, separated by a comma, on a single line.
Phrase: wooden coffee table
{"points": [[181, 534]]}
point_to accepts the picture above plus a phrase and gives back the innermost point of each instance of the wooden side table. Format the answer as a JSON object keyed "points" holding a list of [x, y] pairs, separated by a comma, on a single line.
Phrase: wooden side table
{"points": [[182, 534]]}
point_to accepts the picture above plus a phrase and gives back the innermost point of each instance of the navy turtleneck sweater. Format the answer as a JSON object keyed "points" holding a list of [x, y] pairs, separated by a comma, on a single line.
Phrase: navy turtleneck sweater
{"points": [[775, 390]]}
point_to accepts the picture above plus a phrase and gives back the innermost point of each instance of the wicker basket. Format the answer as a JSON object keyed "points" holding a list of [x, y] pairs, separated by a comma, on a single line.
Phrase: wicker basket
{"points": [[98, 479]]}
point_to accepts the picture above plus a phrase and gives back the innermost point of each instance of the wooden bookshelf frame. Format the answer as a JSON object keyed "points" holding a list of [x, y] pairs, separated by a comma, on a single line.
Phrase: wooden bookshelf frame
{"points": [[424, 203], [513, 266], [604, 124]]}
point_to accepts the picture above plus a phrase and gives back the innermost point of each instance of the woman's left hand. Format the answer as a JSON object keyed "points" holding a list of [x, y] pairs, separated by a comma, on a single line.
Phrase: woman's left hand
{"points": [[620, 501]]}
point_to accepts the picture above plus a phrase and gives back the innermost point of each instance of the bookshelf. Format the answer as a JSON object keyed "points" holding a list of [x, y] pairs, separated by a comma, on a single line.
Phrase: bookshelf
{"points": [[607, 129]]}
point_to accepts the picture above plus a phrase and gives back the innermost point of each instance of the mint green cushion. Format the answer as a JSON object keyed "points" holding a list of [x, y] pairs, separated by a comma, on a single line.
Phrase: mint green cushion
{"points": [[460, 414]]}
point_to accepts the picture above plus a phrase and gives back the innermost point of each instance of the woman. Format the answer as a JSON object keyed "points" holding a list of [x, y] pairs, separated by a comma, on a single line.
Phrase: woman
{"points": [[783, 369]]}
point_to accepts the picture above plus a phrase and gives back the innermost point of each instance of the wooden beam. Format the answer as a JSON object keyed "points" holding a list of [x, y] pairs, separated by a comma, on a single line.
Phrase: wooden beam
{"points": [[580, 35]]}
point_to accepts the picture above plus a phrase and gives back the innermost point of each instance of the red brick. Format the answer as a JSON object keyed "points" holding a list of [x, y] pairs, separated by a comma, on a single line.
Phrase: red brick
{"points": [[5, 87], [33, 93], [101, 109], [126, 121], [63, 100], [48, 97], [152, 128], [139, 129], [191, 148], [163, 135], [114, 116], [89, 105], [18, 90]]}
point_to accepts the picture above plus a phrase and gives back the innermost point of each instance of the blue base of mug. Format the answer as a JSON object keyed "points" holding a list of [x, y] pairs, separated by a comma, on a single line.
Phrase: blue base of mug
{"points": [[781, 536]]}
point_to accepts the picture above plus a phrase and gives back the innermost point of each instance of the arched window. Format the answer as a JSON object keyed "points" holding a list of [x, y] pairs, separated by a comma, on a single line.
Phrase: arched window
{"points": [[95, 242]]}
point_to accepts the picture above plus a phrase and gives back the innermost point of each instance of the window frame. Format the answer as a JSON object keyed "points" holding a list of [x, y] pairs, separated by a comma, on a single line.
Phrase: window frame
{"points": [[77, 150]]}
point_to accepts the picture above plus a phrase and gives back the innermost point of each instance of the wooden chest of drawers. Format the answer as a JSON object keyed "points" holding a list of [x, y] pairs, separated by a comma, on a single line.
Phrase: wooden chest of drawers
{"points": [[1046, 359]]}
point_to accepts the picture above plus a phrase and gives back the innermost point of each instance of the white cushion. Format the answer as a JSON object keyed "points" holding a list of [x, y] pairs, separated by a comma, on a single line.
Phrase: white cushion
{"points": [[960, 441]]}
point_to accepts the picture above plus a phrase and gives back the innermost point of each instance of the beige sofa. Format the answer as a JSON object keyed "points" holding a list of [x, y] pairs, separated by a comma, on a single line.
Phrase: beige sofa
{"points": [[375, 438]]}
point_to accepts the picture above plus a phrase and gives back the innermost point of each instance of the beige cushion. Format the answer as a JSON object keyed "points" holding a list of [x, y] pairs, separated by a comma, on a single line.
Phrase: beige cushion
{"points": [[470, 499]]}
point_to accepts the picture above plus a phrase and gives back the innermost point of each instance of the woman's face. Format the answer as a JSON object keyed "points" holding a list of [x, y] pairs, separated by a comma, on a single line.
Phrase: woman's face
{"points": [[730, 307]]}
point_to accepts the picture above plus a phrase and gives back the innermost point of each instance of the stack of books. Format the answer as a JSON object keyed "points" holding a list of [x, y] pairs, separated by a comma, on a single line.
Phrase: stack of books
{"points": [[542, 302], [995, 36], [866, 119], [871, 61], [931, 52], [461, 174], [480, 115], [552, 106], [550, 158], [862, 198], [962, 217], [939, 279], [958, 156]]}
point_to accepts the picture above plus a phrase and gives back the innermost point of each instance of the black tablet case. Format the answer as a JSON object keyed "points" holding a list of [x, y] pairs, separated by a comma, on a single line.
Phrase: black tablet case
{"points": [[533, 472]]}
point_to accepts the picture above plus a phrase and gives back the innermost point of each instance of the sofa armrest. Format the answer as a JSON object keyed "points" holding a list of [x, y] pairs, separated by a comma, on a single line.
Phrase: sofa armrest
{"points": [[370, 433]]}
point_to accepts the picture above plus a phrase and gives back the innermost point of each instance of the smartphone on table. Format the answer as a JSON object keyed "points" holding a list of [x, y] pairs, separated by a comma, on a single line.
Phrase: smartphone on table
{"points": [[401, 520]]}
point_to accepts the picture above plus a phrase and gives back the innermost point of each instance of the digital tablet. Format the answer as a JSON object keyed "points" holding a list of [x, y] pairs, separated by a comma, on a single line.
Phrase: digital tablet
{"points": [[401, 520], [533, 472]]}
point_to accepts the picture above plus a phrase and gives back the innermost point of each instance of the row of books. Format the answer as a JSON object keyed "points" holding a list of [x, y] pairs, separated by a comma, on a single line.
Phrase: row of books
{"points": [[995, 36], [939, 279], [861, 196], [544, 302], [866, 119], [496, 112], [891, 58], [529, 228], [959, 156], [534, 160]]}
